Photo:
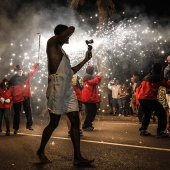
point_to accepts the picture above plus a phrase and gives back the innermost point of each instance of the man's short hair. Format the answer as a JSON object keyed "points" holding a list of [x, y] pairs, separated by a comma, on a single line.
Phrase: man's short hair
{"points": [[60, 28]]}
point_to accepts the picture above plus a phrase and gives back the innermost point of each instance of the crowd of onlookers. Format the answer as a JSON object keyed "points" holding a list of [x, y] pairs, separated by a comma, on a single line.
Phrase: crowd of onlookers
{"points": [[122, 97], [125, 98], [123, 101], [144, 98]]}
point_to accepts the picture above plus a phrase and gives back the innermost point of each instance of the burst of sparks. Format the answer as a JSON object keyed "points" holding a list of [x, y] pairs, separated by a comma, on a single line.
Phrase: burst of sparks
{"points": [[117, 45]]}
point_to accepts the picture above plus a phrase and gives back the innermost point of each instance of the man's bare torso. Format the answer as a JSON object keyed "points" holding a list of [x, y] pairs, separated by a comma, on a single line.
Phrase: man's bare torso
{"points": [[54, 55], [54, 49]]}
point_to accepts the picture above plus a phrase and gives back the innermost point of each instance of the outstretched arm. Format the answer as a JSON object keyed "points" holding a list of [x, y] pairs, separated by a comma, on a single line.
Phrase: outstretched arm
{"points": [[95, 81], [33, 70], [81, 64]]}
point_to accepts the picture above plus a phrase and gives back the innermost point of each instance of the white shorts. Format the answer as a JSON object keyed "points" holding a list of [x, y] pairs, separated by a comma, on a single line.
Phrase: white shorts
{"points": [[60, 95]]}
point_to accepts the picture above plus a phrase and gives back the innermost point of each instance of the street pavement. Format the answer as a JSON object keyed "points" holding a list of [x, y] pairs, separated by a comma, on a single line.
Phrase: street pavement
{"points": [[115, 144]]}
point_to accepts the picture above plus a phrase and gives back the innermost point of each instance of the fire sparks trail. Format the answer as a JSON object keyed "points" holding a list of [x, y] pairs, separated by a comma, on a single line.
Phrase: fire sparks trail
{"points": [[119, 49]]}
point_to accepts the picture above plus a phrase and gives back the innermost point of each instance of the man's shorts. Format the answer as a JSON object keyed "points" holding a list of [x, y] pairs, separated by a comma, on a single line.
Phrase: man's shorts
{"points": [[114, 102], [60, 95]]}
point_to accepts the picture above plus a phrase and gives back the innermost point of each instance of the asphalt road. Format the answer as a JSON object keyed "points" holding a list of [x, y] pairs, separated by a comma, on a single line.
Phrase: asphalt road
{"points": [[115, 144]]}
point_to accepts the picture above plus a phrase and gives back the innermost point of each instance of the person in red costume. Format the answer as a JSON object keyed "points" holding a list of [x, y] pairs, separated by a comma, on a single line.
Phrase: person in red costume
{"points": [[77, 83], [5, 104], [21, 96], [90, 97], [147, 96]]}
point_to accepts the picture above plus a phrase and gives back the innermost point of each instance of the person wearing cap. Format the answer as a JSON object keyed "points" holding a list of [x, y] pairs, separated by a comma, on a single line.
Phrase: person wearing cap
{"points": [[5, 104], [167, 76], [90, 97], [21, 93], [60, 94], [147, 96]]}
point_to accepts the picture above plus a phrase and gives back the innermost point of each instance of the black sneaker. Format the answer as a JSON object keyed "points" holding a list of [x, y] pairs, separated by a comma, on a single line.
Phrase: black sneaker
{"points": [[88, 129], [29, 128], [15, 131], [7, 134], [92, 127], [162, 135], [144, 133]]}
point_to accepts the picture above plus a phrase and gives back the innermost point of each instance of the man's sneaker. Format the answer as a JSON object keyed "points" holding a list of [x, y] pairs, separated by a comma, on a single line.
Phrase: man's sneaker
{"points": [[144, 133], [88, 129], [81, 132], [7, 134], [15, 132], [162, 135], [29, 128], [92, 127]]}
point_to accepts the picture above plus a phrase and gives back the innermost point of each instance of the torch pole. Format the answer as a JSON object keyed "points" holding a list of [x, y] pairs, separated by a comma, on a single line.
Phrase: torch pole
{"points": [[39, 36]]}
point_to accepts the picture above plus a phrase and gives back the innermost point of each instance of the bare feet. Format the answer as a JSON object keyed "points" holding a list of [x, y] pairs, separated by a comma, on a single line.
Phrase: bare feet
{"points": [[43, 158], [83, 162]]}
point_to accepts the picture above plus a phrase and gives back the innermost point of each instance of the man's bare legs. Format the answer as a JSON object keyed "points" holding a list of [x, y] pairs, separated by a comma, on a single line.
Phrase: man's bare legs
{"points": [[74, 133], [75, 137], [114, 110], [54, 120]]}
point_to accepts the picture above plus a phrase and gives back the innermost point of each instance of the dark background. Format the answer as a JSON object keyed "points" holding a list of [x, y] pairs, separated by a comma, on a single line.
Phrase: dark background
{"points": [[150, 7]]}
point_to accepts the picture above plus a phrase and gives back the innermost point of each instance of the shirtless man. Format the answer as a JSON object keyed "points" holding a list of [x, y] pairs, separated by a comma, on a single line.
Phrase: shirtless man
{"points": [[60, 94]]}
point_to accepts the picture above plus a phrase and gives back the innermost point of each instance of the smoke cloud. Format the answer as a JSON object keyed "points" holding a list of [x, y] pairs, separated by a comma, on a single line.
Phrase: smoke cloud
{"points": [[124, 47]]}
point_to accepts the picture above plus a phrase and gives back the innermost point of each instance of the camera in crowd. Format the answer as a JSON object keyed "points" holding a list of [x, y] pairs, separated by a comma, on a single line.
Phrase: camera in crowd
{"points": [[89, 47], [89, 42]]}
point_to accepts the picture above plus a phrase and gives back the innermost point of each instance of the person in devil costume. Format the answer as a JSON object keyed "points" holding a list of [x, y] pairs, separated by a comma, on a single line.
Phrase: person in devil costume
{"points": [[21, 93], [5, 104]]}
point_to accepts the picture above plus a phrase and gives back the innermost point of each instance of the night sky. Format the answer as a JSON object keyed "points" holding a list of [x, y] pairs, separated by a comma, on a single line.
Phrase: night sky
{"points": [[159, 8]]}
